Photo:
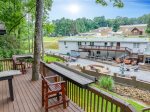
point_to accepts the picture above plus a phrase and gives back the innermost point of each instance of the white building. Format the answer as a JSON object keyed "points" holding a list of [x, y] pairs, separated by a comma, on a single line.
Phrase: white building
{"points": [[110, 46]]}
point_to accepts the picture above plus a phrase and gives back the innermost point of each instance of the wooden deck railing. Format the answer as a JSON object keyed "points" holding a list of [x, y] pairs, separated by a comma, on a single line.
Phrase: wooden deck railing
{"points": [[109, 48], [91, 99], [146, 110], [6, 64]]}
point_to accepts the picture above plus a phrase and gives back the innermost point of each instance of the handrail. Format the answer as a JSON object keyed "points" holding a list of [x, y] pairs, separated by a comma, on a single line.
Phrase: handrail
{"points": [[92, 99], [6, 64], [105, 47], [111, 98], [146, 109]]}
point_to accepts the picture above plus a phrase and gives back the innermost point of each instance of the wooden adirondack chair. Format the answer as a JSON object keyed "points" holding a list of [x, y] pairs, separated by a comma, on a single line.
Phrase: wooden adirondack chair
{"points": [[52, 90]]}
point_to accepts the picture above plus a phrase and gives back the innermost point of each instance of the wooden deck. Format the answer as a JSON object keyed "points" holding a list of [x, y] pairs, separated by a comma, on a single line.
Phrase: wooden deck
{"points": [[27, 97]]}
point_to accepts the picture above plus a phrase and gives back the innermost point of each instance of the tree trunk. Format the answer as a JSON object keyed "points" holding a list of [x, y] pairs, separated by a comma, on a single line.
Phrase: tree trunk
{"points": [[37, 40], [32, 37], [42, 48], [29, 40], [19, 37]]}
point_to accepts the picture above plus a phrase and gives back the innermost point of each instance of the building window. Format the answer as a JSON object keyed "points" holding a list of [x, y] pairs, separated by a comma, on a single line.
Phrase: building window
{"points": [[136, 45], [64, 43], [79, 43], [98, 52], [91, 43], [111, 44], [105, 44], [147, 60]]}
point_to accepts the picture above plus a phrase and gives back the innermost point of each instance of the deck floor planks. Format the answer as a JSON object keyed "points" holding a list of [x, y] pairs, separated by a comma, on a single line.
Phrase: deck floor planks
{"points": [[27, 97], [10, 105], [1, 97], [15, 102], [27, 93], [71, 107], [19, 96], [31, 92], [23, 96], [37, 86], [5, 107]]}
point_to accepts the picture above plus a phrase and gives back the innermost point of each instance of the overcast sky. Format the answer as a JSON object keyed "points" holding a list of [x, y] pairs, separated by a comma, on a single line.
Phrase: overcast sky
{"points": [[73, 9]]}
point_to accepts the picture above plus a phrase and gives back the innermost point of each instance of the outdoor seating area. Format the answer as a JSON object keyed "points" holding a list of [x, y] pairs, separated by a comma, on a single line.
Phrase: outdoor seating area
{"points": [[102, 58], [99, 68], [53, 89], [28, 97], [20, 61]]}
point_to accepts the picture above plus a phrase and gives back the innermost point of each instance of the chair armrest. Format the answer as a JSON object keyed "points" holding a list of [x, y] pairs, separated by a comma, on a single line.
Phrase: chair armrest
{"points": [[48, 77], [55, 83]]}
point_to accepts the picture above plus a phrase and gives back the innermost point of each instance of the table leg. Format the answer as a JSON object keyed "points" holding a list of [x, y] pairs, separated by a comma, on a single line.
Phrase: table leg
{"points": [[11, 89]]}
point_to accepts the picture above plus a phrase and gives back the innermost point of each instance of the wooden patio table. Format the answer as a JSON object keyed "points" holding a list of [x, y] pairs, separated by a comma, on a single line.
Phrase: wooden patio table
{"points": [[8, 75]]}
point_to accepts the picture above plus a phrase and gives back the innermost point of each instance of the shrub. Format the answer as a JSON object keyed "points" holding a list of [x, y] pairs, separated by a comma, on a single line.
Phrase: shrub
{"points": [[106, 82]]}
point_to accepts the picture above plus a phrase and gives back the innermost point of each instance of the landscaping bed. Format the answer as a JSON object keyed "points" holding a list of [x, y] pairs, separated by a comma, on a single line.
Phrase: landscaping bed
{"points": [[131, 92]]}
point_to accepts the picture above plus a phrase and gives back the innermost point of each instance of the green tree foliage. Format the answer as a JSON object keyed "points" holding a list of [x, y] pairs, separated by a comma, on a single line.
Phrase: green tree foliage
{"points": [[115, 26], [9, 46], [148, 27], [67, 27], [116, 3], [99, 22], [18, 16], [48, 28]]}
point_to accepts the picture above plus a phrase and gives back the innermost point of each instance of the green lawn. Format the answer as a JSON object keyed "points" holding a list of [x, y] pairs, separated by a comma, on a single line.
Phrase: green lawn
{"points": [[52, 59], [49, 43]]}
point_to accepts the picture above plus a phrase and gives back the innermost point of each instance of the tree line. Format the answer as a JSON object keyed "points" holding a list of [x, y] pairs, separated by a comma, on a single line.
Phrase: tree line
{"points": [[68, 27]]}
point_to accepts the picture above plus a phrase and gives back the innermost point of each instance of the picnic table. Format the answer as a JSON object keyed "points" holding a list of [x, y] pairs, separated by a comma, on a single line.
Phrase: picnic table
{"points": [[8, 75]]}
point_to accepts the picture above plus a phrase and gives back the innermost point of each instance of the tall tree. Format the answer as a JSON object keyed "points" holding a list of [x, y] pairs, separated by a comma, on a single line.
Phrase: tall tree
{"points": [[37, 38], [115, 26], [38, 33], [148, 27]]}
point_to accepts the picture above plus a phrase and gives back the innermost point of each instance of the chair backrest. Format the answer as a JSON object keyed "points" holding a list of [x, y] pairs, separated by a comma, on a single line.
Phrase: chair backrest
{"points": [[44, 79], [14, 59]]}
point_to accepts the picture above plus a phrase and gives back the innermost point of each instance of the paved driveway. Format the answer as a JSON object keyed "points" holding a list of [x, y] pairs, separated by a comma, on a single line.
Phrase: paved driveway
{"points": [[141, 75]]}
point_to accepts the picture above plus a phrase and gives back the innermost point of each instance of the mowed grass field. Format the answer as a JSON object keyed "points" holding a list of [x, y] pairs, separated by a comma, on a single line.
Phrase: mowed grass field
{"points": [[49, 43]]}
